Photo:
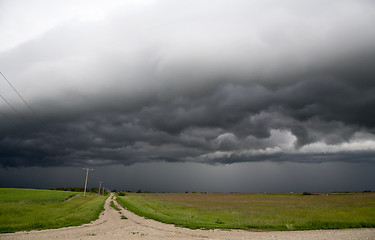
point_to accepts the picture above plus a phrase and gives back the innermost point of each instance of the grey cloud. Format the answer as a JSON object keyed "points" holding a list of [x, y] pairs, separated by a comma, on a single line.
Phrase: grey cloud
{"points": [[176, 82]]}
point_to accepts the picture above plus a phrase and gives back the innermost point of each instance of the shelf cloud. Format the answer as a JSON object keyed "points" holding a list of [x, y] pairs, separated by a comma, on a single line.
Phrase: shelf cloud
{"points": [[214, 82]]}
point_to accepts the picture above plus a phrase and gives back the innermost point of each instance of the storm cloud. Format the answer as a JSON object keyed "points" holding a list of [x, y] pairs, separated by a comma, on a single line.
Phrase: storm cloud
{"points": [[214, 82]]}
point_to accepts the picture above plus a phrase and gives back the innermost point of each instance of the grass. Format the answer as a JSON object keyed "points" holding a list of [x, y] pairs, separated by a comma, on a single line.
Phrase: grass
{"points": [[33, 195], [114, 206], [256, 211], [31, 209]]}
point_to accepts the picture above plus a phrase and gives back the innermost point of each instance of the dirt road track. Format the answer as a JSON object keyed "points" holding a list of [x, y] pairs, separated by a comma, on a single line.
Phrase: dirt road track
{"points": [[110, 226]]}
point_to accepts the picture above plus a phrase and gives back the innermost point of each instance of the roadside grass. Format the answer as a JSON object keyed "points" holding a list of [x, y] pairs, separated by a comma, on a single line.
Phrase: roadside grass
{"points": [[31, 209], [256, 211]]}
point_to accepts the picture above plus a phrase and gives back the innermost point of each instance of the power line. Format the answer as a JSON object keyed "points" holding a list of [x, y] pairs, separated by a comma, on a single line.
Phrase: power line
{"points": [[15, 110], [24, 101], [5, 116]]}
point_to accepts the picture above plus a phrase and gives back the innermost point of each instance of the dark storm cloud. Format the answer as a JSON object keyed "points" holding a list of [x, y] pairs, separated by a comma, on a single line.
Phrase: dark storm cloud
{"points": [[176, 82]]}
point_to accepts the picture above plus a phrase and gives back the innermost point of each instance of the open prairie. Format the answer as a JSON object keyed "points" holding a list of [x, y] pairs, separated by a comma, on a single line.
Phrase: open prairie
{"points": [[28, 209], [121, 224], [256, 211]]}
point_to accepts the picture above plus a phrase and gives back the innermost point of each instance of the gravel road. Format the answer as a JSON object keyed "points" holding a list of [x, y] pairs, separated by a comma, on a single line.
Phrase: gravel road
{"points": [[110, 226]]}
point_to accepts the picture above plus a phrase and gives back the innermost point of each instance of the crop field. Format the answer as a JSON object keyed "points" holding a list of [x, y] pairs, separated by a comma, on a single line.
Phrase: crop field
{"points": [[256, 211], [28, 209]]}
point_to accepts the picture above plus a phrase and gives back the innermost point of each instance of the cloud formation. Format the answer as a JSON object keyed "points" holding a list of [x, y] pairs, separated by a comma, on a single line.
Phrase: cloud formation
{"points": [[201, 81]]}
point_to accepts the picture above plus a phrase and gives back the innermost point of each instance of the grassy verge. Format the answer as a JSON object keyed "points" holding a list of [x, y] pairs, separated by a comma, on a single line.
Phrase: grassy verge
{"points": [[29, 209], [256, 211]]}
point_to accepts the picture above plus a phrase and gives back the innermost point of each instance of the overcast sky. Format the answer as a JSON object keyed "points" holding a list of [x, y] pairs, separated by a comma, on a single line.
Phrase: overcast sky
{"points": [[272, 88]]}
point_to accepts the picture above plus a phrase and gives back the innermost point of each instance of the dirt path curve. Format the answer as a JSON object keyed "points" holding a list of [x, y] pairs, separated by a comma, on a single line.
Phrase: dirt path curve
{"points": [[110, 226]]}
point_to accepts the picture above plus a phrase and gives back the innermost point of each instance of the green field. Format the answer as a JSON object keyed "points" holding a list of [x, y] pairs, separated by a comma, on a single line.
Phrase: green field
{"points": [[256, 211], [29, 209]]}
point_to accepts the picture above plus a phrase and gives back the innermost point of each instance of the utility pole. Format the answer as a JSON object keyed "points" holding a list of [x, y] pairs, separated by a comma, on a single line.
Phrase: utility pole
{"points": [[100, 184], [87, 174]]}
